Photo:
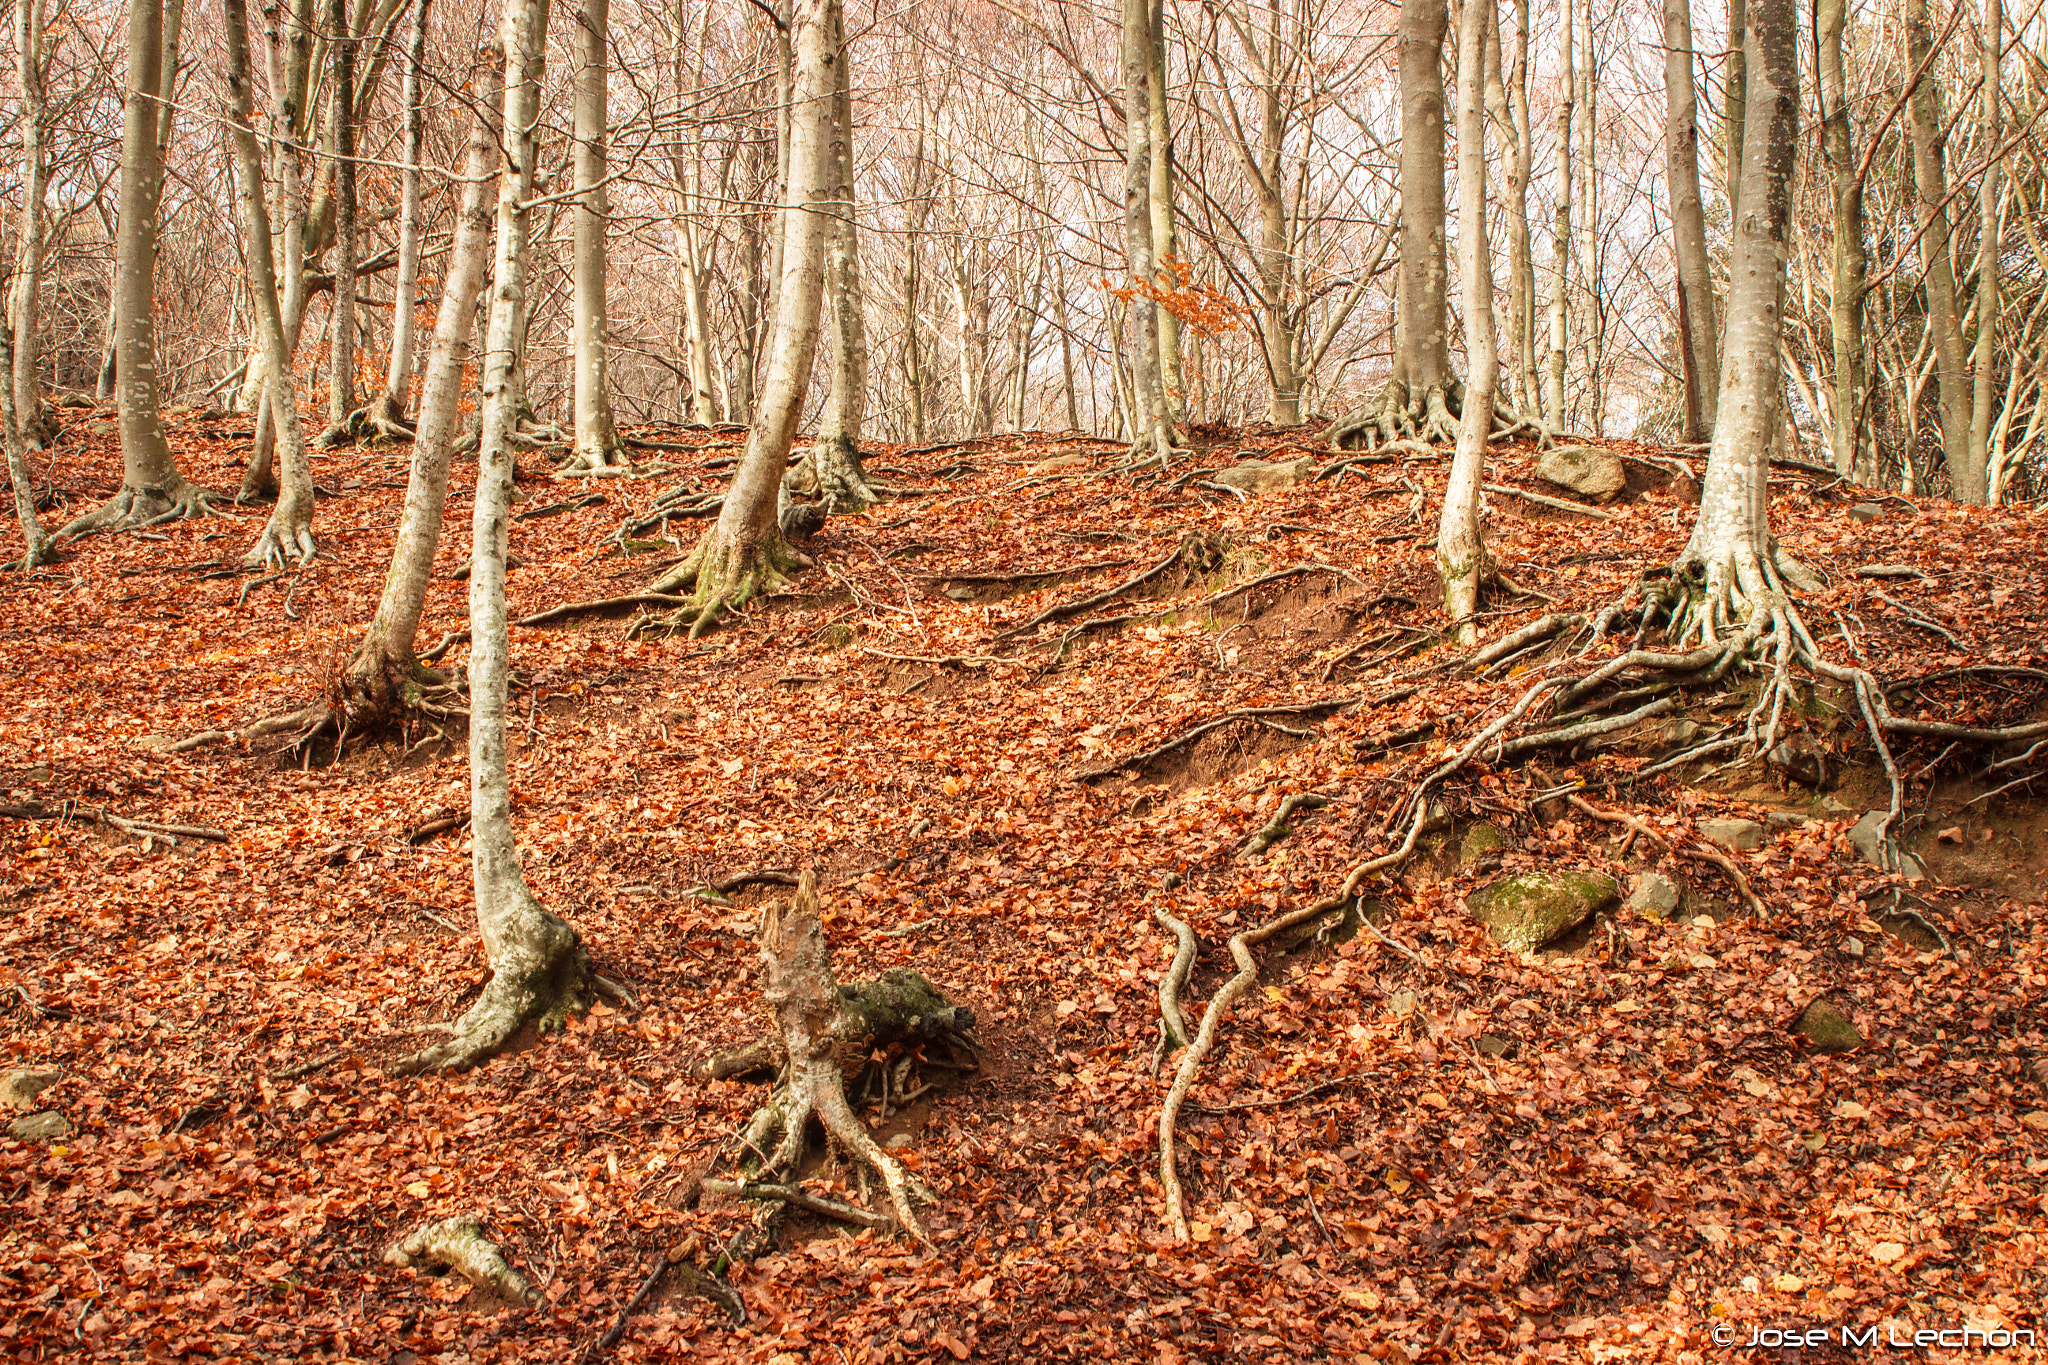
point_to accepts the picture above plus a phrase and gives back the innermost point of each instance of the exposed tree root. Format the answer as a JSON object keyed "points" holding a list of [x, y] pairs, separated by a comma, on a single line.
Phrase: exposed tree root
{"points": [[287, 539], [831, 472], [820, 1027], [1277, 828], [1173, 1025], [459, 1244], [134, 509], [1398, 418], [724, 576], [544, 977], [1199, 552]]}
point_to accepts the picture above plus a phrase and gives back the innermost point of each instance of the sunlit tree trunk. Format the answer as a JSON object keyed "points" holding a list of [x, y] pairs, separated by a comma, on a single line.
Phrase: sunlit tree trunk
{"points": [[597, 434], [1424, 344], [1984, 360], [23, 379], [1967, 477], [1152, 427], [1165, 237], [1853, 456], [391, 407], [1561, 232], [1698, 326], [341, 335]]}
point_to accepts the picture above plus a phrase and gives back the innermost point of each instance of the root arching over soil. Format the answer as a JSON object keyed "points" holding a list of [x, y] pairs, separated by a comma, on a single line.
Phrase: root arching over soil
{"points": [[723, 575], [138, 508]]}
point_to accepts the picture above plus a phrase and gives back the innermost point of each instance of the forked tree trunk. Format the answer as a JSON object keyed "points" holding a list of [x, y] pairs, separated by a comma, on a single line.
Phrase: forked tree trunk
{"points": [[1425, 331], [744, 553], [1698, 327], [282, 539], [1853, 456], [539, 970], [1460, 554], [1967, 477], [1561, 231], [1152, 433], [832, 469], [22, 379], [383, 676], [391, 407], [1730, 564], [597, 434]]}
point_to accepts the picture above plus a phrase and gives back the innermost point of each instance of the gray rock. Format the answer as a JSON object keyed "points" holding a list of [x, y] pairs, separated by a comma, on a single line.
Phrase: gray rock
{"points": [[18, 1089], [1863, 837], [103, 428], [1866, 512], [1853, 947], [1654, 895], [1586, 470], [1799, 759], [1828, 1028], [1265, 476], [1532, 910], [47, 1126], [1678, 734], [1743, 836], [1784, 819]]}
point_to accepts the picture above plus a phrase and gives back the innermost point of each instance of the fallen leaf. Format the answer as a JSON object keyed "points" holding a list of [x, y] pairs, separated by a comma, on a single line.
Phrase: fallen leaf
{"points": [[1887, 1253]]}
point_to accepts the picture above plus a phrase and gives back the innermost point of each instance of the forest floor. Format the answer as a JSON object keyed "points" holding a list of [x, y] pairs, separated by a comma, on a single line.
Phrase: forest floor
{"points": [[1413, 1147]]}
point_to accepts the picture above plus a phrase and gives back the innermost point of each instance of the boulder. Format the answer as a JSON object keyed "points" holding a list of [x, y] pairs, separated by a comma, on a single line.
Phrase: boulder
{"points": [[18, 1089], [1265, 476], [1866, 512], [1479, 841], [1744, 836], [1654, 895], [47, 1126], [1586, 470], [1532, 910], [1863, 837], [1827, 1027]]}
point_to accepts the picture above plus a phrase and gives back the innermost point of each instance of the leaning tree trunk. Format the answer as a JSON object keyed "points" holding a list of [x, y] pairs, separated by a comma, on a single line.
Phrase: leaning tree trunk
{"points": [[1152, 433], [389, 415], [1968, 479], [832, 469], [1853, 456], [1460, 554], [1561, 233], [383, 676], [1984, 359], [1730, 566], [1698, 329], [539, 970], [287, 536], [1425, 328], [152, 488], [23, 387], [744, 553], [597, 434]]}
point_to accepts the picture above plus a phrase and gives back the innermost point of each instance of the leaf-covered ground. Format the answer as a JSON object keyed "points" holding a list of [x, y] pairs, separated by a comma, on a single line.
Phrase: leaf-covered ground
{"points": [[1417, 1148]]}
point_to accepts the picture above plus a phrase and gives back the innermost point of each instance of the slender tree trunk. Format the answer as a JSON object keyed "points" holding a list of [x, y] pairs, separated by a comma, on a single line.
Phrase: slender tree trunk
{"points": [[22, 382], [289, 538], [1059, 307], [1165, 243], [398, 378], [744, 554], [539, 970], [1460, 554], [1989, 245], [970, 311], [1425, 330], [341, 364], [597, 434], [1593, 333], [1507, 98], [383, 676], [1853, 457], [1152, 434], [1561, 232], [1698, 327], [917, 211], [1730, 559], [1735, 107], [1276, 255], [1967, 477]]}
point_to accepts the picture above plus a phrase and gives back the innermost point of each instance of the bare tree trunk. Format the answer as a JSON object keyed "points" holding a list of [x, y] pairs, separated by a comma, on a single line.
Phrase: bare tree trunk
{"points": [[341, 363], [539, 970], [744, 554], [1853, 457], [970, 310], [832, 469], [597, 434], [1592, 333], [1698, 327], [152, 488], [1165, 244], [1059, 305], [1460, 554], [1152, 428], [391, 408], [383, 675], [288, 535], [1730, 565], [1507, 98], [23, 386], [1967, 477], [1561, 232], [696, 255], [1276, 255], [1989, 305], [1425, 328], [1735, 103]]}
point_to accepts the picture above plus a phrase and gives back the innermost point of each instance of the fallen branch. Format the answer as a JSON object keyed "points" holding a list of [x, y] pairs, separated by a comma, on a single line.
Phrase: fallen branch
{"points": [[1276, 829], [459, 1244], [71, 810], [1547, 501]]}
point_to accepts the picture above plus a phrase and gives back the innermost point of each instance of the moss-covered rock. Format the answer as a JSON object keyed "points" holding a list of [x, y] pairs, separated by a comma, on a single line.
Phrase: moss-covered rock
{"points": [[1480, 840], [1530, 910], [1827, 1027]]}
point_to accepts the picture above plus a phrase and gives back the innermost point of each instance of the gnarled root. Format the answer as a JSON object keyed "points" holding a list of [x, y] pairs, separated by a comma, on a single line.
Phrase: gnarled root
{"points": [[134, 508], [542, 978], [724, 575], [831, 471], [459, 1244], [1439, 423], [281, 544]]}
